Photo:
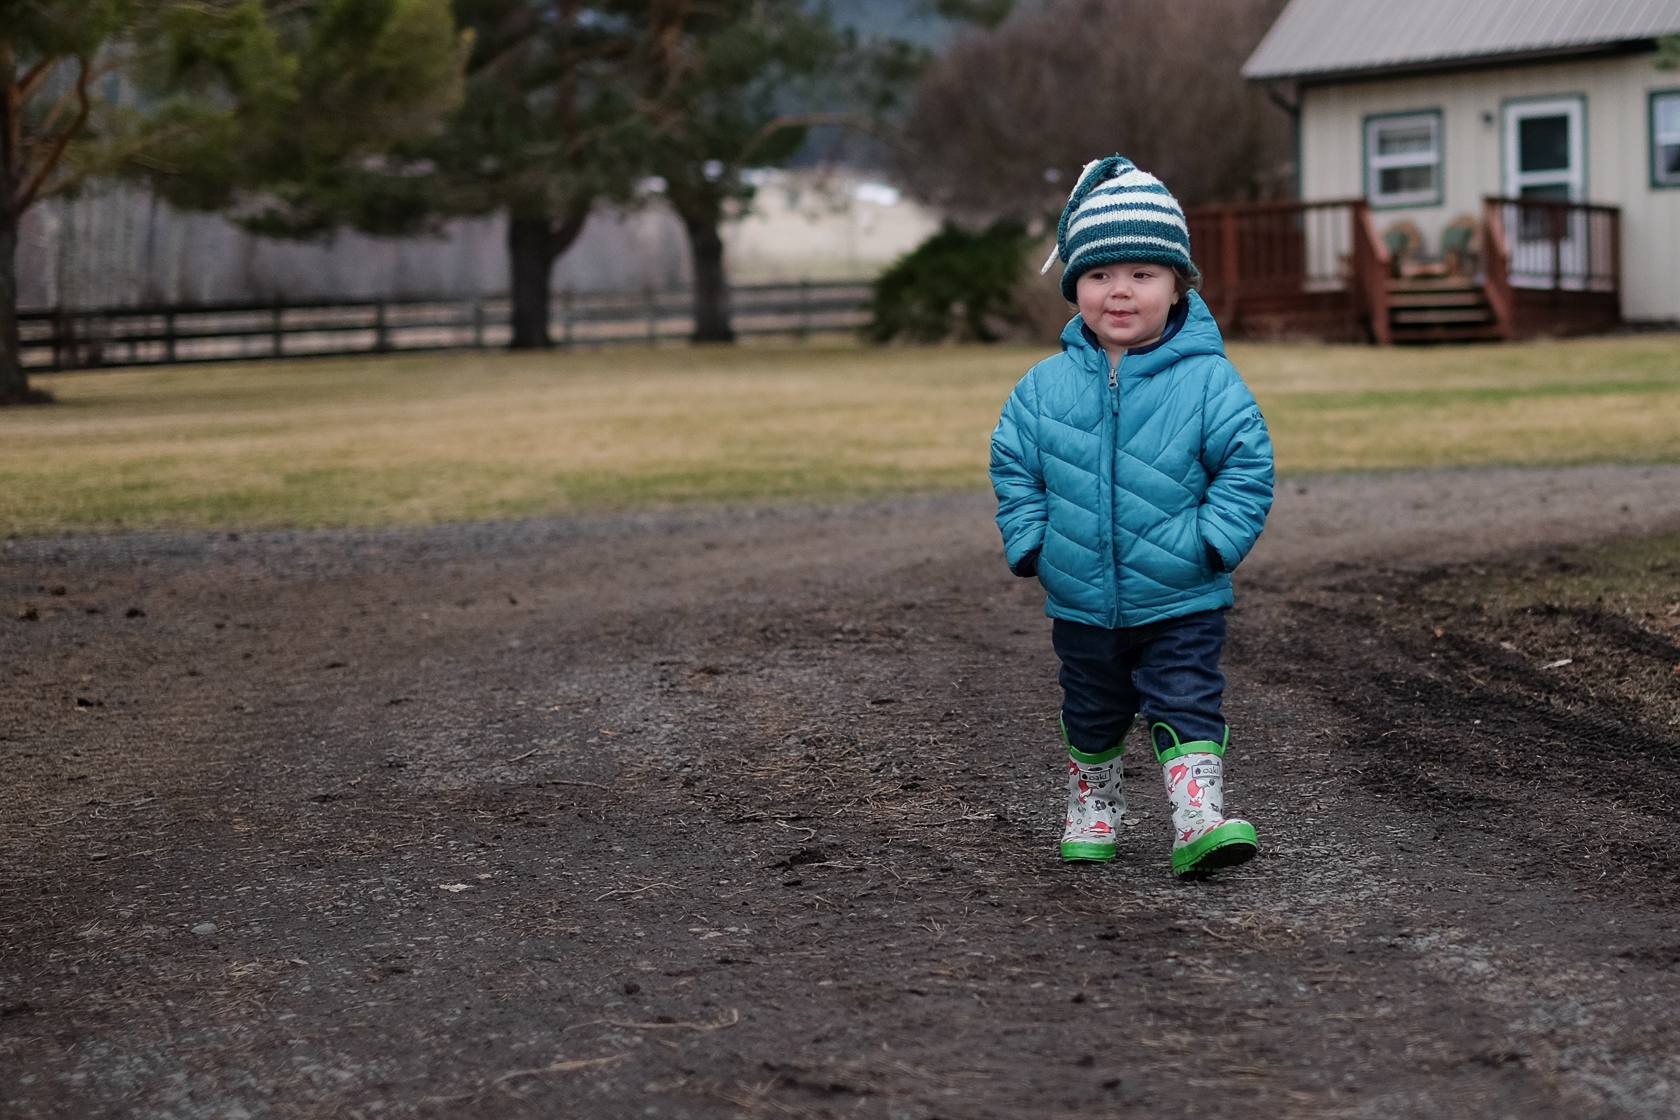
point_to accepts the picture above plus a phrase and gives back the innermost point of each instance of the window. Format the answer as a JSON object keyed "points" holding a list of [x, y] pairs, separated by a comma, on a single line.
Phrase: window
{"points": [[1665, 139], [1403, 159]]}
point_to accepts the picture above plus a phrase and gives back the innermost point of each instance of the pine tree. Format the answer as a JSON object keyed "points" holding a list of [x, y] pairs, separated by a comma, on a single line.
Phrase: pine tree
{"points": [[216, 103]]}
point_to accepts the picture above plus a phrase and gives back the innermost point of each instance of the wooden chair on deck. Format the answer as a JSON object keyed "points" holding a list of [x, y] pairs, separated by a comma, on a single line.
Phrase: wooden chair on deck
{"points": [[1405, 247], [1461, 246]]}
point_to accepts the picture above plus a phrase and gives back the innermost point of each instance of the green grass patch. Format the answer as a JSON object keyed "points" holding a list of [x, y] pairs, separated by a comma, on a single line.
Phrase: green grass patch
{"points": [[416, 439], [1637, 578]]}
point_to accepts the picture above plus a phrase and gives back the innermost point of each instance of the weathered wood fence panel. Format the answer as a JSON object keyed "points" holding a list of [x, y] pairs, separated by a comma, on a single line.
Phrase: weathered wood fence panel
{"points": [[67, 339]]}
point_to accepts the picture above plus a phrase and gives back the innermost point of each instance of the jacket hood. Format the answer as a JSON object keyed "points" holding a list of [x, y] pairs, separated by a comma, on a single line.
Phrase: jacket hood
{"points": [[1197, 334]]}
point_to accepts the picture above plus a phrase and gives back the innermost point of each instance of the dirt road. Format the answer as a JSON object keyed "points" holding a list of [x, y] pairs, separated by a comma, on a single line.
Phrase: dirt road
{"points": [[755, 815]]}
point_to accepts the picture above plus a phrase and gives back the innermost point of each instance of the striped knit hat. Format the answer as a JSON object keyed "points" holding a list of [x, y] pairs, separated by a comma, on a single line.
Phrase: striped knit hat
{"points": [[1118, 213]]}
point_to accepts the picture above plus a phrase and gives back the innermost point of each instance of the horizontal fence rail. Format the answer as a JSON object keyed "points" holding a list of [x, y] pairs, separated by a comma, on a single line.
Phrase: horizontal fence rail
{"points": [[131, 336]]}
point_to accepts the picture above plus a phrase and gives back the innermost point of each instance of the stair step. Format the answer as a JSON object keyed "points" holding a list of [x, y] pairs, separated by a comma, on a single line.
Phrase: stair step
{"points": [[1448, 334], [1434, 284], [1429, 317], [1473, 298]]}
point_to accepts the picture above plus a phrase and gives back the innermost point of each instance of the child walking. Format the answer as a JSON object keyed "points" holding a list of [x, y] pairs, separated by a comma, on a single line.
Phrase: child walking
{"points": [[1133, 472]]}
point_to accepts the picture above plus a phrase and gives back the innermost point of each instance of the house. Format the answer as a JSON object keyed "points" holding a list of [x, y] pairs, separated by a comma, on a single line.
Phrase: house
{"points": [[1506, 168]]}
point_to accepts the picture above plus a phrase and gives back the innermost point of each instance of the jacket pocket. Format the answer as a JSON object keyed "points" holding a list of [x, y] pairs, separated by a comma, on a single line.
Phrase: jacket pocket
{"points": [[1182, 552]]}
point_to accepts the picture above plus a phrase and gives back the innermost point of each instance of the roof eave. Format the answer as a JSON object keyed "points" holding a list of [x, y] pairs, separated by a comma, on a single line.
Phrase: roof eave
{"points": [[1458, 64]]}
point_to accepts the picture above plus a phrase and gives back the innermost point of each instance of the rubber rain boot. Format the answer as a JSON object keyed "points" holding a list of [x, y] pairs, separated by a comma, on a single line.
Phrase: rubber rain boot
{"points": [[1096, 802], [1204, 839]]}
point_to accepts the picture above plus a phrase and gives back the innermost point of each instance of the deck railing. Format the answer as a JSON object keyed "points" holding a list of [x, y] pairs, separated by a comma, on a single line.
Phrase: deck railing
{"points": [[1372, 265], [1252, 247], [67, 339], [1286, 263], [1565, 246], [1552, 267]]}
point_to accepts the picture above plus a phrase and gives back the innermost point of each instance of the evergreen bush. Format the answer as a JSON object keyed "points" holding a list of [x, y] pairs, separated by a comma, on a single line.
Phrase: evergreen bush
{"points": [[955, 283]]}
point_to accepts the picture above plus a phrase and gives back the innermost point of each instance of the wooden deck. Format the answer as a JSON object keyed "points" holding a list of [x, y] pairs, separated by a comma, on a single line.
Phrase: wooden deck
{"points": [[1320, 270]]}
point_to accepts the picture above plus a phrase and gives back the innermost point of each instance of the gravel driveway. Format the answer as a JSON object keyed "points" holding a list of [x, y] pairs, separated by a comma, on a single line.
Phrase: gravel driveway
{"points": [[754, 814]]}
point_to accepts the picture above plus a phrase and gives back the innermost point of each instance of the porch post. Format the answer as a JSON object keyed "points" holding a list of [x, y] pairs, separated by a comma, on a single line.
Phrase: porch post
{"points": [[1556, 227], [1229, 264]]}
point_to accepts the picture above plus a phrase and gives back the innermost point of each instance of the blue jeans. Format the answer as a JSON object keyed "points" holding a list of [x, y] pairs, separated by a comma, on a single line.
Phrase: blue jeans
{"points": [[1168, 671]]}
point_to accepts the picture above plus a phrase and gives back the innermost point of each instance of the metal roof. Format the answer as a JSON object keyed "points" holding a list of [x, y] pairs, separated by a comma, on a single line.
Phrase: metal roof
{"points": [[1320, 38]]}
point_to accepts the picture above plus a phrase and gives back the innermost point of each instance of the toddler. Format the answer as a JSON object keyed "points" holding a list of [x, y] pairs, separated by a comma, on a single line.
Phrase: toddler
{"points": [[1133, 472]]}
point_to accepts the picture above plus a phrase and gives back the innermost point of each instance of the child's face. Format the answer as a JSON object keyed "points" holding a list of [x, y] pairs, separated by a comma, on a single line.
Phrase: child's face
{"points": [[1126, 305]]}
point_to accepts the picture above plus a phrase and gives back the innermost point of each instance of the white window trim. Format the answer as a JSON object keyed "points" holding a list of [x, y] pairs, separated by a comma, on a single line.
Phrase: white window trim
{"points": [[1658, 139], [1576, 178], [1376, 164]]}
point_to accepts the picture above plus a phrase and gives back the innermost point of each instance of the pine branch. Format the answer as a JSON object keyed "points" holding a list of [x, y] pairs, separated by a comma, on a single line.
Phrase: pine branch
{"points": [[55, 150]]}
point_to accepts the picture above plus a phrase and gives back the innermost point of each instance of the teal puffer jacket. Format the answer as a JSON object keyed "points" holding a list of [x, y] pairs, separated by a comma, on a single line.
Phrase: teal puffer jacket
{"points": [[1141, 490]]}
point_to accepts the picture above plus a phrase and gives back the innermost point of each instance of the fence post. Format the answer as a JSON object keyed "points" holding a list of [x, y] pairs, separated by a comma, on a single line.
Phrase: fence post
{"points": [[478, 323], [1616, 258], [1229, 264], [652, 315], [381, 333], [63, 340], [566, 318], [278, 347], [1560, 219], [99, 330]]}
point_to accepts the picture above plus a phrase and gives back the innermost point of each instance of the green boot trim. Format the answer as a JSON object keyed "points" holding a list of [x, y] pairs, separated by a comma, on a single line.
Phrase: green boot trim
{"points": [[1198, 746], [1073, 850], [1087, 757], [1231, 843], [1109, 755]]}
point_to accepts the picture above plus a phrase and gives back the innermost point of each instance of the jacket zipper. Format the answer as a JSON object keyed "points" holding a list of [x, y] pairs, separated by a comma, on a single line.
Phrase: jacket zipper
{"points": [[1113, 460]]}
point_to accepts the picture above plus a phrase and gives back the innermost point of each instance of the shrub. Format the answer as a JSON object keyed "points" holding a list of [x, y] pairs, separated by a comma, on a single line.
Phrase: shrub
{"points": [[954, 284]]}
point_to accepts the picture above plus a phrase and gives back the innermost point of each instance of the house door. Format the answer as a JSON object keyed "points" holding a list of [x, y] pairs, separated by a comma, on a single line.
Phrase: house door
{"points": [[1545, 160]]}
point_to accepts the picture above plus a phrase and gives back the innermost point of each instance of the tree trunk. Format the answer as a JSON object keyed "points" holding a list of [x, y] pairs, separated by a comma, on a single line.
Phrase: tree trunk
{"points": [[535, 242], [14, 381], [531, 262], [701, 218]]}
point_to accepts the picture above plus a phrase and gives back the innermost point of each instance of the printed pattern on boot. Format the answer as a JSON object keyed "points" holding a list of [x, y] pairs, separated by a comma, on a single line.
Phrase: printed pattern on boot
{"points": [[1204, 839], [1096, 803], [1194, 786]]}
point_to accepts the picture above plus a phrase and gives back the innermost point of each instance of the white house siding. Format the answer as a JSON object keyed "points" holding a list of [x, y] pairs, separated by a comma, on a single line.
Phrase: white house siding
{"points": [[1616, 93]]}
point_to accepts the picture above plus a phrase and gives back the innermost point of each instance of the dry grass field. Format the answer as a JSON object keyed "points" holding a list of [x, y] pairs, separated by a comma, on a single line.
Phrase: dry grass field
{"points": [[429, 438]]}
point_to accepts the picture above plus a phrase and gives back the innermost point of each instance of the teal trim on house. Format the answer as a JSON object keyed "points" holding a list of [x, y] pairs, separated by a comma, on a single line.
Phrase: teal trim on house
{"points": [[1657, 182], [1366, 180]]}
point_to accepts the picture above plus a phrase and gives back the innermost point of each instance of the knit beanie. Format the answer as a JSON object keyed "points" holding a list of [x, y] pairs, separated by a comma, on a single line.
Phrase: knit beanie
{"points": [[1118, 213]]}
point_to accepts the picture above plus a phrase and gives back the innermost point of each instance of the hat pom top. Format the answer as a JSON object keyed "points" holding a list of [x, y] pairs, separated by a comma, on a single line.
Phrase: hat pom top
{"points": [[1118, 213]]}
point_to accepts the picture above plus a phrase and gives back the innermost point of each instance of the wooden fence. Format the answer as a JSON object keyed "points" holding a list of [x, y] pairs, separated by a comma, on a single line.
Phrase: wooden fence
{"points": [[66, 339]]}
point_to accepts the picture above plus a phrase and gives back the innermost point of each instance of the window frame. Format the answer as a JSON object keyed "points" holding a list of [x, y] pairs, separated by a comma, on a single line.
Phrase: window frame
{"points": [[1375, 163], [1513, 109], [1657, 181]]}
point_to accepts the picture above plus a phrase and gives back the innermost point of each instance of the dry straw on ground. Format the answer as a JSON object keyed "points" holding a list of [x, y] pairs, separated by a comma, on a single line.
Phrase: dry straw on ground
{"points": [[427, 438]]}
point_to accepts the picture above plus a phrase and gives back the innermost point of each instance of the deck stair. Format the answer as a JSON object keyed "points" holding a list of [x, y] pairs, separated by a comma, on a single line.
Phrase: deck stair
{"points": [[1440, 309]]}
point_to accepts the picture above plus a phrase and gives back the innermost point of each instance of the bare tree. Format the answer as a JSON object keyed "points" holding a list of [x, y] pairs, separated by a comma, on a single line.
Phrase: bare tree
{"points": [[1001, 124]]}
